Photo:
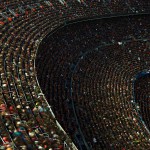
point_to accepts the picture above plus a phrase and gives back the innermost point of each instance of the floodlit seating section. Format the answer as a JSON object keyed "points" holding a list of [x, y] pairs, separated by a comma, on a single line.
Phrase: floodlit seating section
{"points": [[89, 67], [26, 119]]}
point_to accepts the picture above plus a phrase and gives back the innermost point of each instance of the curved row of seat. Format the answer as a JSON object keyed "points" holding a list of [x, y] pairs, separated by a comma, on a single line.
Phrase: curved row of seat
{"points": [[26, 119], [141, 86], [20, 91], [11, 10], [86, 72]]}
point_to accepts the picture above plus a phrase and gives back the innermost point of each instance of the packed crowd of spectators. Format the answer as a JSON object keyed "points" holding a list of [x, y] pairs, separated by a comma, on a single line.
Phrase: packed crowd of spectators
{"points": [[12, 9], [142, 92], [27, 121], [89, 67]]}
